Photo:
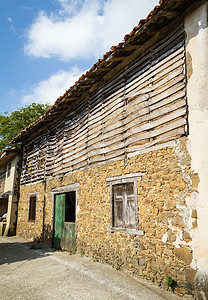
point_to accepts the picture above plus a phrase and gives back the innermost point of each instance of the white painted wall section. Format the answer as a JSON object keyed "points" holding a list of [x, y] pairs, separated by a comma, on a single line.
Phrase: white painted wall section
{"points": [[197, 96]]}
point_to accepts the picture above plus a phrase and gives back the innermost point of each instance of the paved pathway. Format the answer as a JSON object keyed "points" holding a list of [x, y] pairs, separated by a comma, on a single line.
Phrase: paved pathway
{"points": [[47, 274]]}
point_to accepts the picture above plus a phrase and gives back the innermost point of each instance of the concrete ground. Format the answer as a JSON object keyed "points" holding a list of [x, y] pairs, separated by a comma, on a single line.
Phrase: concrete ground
{"points": [[46, 274]]}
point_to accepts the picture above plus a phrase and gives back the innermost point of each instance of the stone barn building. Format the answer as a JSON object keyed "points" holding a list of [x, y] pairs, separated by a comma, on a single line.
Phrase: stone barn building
{"points": [[117, 168]]}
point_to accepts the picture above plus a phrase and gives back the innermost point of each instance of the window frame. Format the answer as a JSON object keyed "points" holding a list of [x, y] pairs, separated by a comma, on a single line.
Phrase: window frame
{"points": [[122, 180], [32, 209], [75, 187], [3, 173], [9, 167]]}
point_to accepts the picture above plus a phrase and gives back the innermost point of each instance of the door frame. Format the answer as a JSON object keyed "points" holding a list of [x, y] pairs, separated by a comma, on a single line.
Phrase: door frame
{"points": [[62, 190]]}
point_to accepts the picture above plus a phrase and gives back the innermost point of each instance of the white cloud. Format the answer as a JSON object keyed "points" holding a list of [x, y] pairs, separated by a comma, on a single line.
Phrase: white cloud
{"points": [[11, 22], [47, 91], [84, 29], [70, 7]]}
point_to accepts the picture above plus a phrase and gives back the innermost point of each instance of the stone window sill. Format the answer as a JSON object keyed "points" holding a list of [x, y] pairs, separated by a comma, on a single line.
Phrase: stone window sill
{"points": [[128, 231]]}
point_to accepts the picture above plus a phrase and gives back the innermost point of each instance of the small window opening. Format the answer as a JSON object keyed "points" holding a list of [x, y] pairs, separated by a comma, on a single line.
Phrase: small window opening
{"points": [[2, 174], [9, 169], [124, 206], [70, 203], [32, 208]]}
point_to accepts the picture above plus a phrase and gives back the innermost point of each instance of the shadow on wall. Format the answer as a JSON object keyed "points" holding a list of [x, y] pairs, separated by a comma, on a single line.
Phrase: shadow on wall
{"points": [[45, 237]]}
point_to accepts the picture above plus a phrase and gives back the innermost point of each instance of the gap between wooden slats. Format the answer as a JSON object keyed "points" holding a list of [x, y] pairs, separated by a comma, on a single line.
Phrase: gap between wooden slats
{"points": [[177, 58]]}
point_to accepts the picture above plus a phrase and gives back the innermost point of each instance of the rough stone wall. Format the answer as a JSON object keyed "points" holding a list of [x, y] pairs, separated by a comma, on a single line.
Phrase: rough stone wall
{"points": [[165, 251], [24, 227], [2, 184]]}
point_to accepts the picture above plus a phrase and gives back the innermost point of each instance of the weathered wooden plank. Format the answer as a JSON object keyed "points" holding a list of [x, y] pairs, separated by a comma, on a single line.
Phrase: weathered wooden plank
{"points": [[162, 85], [166, 136], [105, 150], [158, 70], [140, 109], [155, 114], [156, 132], [137, 103], [166, 101], [114, 81], [166, 86], [96, 159], [165, 110], [149, 110], [167, 93], [151, 65], [106, 111], [114, 89], [153, 124]]}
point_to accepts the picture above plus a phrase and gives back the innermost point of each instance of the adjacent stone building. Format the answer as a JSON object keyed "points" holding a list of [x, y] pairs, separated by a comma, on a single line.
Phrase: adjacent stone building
{"points": [[117, 168], [9, 186]]}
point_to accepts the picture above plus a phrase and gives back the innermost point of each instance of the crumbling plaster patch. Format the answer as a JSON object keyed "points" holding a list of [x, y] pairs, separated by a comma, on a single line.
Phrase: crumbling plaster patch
{"points": [[193, 202], [186, 200], [196, 27]]}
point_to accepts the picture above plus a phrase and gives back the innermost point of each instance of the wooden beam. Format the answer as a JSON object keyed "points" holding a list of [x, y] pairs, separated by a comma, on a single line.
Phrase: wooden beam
{"points": [[70, 98], [105, 68], [84, 86], [130, 48], [117, 58]]}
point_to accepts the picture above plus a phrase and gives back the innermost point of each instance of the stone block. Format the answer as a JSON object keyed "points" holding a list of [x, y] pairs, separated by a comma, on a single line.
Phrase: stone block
{"points": [[158, 250], [194, 224], [180, 290], [180, 277], [168, 252], [194, 180], [190, 274], [186, 236], [184, 254], [178, 221], [171, 236], [194, 214]]}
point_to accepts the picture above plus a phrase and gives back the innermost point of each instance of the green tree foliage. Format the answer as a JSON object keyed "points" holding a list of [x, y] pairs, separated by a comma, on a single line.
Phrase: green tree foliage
{"points": [[12, 123]]}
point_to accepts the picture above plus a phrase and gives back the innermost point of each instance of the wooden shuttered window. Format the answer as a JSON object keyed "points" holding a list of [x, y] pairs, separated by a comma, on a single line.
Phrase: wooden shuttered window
{"points": [[32, 208], [124, 206], [118, 206]]}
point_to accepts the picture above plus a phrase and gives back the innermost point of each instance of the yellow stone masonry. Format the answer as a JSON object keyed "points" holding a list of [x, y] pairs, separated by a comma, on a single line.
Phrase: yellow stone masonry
{"points": [[164, 250]]}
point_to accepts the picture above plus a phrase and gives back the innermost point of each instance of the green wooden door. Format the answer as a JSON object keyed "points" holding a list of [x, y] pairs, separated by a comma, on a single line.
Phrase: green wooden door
{"points": [[68, 241], [59, 219], [64, 222]]}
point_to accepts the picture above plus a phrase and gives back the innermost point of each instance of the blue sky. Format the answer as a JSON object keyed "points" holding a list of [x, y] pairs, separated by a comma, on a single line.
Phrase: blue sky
{"points": [[46, 45]]}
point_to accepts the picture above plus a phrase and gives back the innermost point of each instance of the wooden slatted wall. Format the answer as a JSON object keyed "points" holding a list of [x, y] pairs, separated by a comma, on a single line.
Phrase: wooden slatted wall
{"points": [[140, 108]]}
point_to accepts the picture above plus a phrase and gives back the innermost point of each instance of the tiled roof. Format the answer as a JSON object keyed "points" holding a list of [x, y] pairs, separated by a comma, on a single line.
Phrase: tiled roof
{"points": [[7, 154], [8, 151], [160, 16]]}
